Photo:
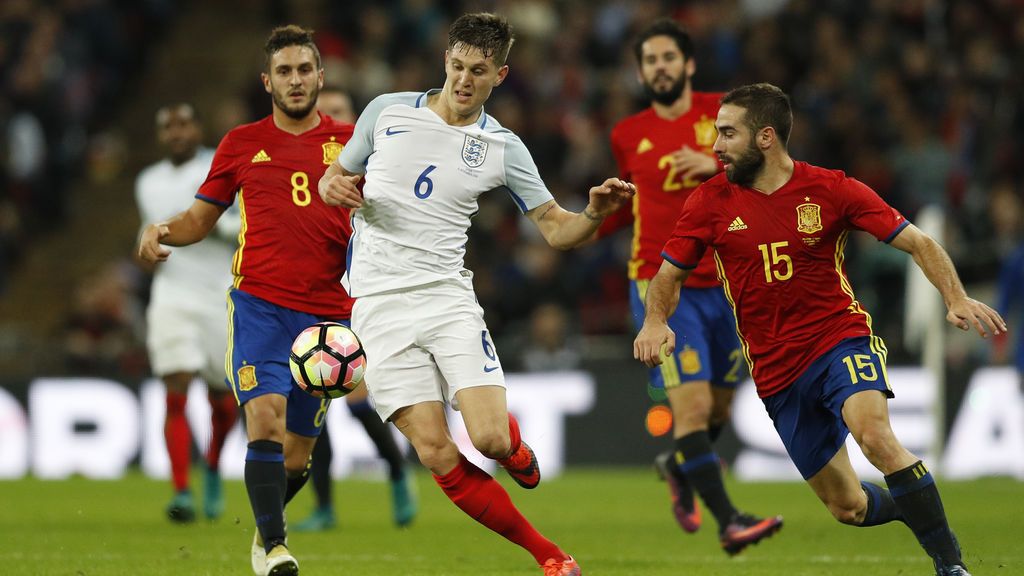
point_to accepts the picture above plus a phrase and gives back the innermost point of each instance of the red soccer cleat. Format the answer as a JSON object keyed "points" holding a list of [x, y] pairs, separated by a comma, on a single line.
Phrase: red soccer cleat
{"points": [[744, 530], [684, 501], [567, 567], [522, 467]]}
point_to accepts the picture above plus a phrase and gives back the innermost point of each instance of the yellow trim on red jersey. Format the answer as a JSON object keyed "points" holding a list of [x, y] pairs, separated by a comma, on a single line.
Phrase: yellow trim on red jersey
{"points": [[236, 262], [844, 282], [876, 343], [735, 316], [229, 354]]}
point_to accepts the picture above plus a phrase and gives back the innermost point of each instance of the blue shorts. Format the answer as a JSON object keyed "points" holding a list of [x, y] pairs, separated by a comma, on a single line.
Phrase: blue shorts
{"points": [[260, 336], [808, 415], [707, 348]]}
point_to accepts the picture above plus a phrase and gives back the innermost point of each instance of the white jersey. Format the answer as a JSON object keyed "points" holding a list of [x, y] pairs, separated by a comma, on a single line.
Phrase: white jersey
{"points": [[196, 274], [423, 180]]}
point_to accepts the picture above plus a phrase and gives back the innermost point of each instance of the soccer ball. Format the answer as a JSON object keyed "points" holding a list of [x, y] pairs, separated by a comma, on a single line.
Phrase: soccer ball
{"points": [[327, 359]]}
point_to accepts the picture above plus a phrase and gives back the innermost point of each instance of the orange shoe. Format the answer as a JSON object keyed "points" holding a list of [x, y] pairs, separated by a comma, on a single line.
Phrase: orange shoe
{"points": [[522, 467], [567, 567], [744, 530], [684, 502]]}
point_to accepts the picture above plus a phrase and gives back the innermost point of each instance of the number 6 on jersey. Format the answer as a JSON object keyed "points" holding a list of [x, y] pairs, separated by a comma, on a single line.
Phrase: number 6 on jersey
{"points": [[424, 180]]}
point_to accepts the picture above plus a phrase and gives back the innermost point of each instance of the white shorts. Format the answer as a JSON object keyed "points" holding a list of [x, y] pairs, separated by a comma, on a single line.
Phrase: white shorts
{"points": [[188, 338], [425, 344]]}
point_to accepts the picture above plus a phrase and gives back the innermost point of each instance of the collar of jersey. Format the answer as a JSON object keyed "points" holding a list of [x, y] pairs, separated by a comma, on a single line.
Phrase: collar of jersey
{"points": [[421, 102]]}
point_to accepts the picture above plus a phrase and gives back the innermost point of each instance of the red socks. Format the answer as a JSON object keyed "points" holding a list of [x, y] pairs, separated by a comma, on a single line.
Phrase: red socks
{"points": [[513, 434], [179, 440], [224, 412], [484, 500]]}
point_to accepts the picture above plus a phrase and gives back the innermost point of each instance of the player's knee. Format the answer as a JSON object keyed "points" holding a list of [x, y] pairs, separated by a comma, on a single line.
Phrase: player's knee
{"points": [[493, 444], [295, 465], [293, 471], [696, 414], [262, 430], [877, 443], [436, 455], [692, 412]]}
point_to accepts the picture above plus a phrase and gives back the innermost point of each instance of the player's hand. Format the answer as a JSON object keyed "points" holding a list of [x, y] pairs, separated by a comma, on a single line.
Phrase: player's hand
{"points": [[654, 341], [610, 196], [693, 164], [150, 249], [968, 312], [341, 190]]}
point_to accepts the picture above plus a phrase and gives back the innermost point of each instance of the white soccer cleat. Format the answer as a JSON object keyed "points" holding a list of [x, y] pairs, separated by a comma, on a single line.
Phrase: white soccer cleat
{"points": [[281, 563], [259, 555]]}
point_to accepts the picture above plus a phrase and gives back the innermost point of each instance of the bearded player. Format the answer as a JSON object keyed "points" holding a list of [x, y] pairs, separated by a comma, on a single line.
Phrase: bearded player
{"points": [[666, 151], [779, 229], [287, 273]]}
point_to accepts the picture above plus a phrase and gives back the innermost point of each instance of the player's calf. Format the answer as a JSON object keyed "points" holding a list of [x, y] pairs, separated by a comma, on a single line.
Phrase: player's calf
{"points": [[917, 499], [848, 509]]}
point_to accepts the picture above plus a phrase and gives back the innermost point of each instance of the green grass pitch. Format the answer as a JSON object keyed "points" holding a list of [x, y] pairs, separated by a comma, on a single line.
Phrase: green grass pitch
{"points": [[615, 521]]}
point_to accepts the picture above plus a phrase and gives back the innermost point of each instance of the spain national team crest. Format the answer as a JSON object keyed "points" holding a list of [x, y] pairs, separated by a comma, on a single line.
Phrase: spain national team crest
{"points": [[474, 151], [704, 132], [331, 151], [247, 378], [808, 218], [689, 360]]}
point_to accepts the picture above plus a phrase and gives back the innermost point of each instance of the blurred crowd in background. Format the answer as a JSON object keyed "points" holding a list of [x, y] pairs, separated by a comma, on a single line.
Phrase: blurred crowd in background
{"points": [[920, 99], [64, 67]]}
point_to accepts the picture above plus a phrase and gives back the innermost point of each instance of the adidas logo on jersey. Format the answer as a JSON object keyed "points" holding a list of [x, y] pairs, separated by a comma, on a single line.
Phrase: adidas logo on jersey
{"points": [[261, 156], [737, 224], [644, 146]]}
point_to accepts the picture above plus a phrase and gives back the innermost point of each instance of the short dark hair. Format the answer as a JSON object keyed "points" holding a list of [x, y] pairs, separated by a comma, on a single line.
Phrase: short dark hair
{"points": [[766, 105], [664, 27], [489, 33], [290, 35]]}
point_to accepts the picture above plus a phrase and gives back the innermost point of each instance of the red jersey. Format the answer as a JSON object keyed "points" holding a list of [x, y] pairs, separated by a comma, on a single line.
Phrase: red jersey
{"points": [[781, 257], [643, 145], [292, 246]]}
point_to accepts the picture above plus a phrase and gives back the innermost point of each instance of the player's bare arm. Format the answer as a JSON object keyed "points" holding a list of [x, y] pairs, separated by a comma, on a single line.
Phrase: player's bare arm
{"points": [[933, 260], [692, 163], [564, 229], [185, 228], [338, 187], [661, 302]]}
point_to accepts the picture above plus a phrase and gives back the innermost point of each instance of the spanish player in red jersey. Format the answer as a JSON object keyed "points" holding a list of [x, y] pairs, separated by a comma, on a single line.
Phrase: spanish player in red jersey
{"points": [[778, 228], [665, 150], [337, 103], [287, 273]]}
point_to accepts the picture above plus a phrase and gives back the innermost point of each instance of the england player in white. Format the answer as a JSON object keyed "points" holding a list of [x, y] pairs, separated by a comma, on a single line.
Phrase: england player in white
{"points": [[187, 316], [427, 157]]}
